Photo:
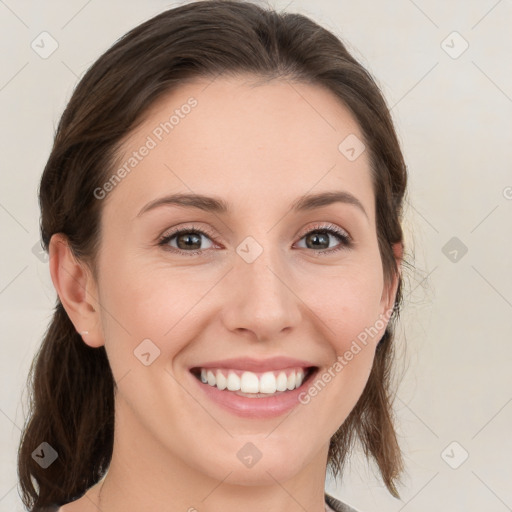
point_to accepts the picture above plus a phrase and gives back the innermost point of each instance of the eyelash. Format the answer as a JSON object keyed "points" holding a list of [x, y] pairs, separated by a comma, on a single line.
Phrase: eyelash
{"points": [[342, 235]]}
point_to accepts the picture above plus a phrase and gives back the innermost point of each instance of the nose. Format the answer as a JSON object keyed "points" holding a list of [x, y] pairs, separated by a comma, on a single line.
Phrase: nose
{"points": [[260, 297]]}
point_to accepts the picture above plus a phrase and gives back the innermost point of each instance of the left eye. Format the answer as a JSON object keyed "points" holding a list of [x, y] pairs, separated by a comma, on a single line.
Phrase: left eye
{"points": [[188, 240], [319, 237]]}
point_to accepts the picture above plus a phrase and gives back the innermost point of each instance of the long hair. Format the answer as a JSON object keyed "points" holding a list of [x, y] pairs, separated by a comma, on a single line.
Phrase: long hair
{"points": [[71, 385]]}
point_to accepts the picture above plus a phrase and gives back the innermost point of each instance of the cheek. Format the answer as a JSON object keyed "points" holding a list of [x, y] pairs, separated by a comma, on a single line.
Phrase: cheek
{"points": [[144, 301], [349, 304]]}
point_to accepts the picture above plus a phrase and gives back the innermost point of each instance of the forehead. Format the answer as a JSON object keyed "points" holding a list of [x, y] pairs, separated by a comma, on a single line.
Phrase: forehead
{"points": [[245, 142]]}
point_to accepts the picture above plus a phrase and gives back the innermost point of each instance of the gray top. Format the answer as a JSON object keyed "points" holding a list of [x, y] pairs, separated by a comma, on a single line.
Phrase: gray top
{"points": [[332, 505], [337, 505]]}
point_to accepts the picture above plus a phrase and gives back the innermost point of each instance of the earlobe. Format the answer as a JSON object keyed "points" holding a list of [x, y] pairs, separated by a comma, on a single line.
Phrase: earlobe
{"points": [[77, 290]]}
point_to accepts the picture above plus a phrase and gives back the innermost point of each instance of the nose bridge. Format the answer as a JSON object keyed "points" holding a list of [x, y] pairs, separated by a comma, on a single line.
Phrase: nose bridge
{"points": [[262, 298]]}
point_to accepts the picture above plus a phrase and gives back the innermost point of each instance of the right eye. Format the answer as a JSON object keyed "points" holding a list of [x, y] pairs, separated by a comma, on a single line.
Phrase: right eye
{"points": [[184, 243]]}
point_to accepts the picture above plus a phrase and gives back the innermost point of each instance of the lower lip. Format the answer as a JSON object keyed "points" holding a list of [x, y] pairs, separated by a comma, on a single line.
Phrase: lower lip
{"points": [[264, 407]]}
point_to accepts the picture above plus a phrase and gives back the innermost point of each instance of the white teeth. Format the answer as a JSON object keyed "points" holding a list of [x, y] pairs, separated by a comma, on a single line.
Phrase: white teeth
{"points": [[268, 382], [233, 382], [299, 377], [291, 381], [281, 382], [222, 382], [249, 383]]}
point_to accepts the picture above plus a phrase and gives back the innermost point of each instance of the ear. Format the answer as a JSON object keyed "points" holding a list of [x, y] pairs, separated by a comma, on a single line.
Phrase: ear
{"points": [[390, 289], [77, 290]]}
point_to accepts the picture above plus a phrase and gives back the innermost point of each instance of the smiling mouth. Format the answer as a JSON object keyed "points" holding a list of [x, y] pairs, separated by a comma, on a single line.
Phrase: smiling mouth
{"points": [[254, 384]]}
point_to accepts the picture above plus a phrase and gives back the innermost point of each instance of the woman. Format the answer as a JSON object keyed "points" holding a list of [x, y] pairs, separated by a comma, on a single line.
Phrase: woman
{"points": [[222, 209]]}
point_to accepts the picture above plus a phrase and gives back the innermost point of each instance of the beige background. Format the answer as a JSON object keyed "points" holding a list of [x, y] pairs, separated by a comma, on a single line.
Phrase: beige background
{"points": [[453, 112]]}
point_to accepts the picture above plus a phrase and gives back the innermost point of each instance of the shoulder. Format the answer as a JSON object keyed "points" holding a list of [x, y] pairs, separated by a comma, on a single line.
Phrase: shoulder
{"points": [[337, 505]]}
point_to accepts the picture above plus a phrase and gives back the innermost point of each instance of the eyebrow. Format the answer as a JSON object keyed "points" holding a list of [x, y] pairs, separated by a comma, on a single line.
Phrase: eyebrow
{"points": [[219, 206]]}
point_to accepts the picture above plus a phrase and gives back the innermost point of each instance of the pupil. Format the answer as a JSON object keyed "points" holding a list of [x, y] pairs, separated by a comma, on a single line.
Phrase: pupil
{"points": [[319, 239], [192, 241]]}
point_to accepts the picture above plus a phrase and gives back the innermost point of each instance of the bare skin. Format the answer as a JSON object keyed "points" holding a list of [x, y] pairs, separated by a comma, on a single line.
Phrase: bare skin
{"points": [[259, 149]]}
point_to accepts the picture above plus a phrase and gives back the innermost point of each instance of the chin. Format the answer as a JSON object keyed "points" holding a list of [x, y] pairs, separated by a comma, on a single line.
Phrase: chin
{"points": [[281, 466], [262, 474]]}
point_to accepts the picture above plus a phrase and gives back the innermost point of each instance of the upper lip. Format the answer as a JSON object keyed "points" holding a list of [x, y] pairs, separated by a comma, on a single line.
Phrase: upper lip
{"points": [[257, 365]]}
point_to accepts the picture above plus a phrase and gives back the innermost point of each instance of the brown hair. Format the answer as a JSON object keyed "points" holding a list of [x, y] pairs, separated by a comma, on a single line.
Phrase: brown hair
{"points": [[71, 384]]}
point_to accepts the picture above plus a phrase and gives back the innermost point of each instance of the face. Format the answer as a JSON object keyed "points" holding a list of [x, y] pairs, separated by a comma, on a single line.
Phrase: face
{"points": [[256, 281]]}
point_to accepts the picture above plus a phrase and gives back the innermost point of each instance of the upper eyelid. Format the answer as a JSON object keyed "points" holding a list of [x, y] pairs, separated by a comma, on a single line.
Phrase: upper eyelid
{"points": [[176, 231]]}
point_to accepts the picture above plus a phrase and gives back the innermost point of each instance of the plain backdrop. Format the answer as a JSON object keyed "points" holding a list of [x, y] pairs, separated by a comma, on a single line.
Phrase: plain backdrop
{"points": [[445, 70]]}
